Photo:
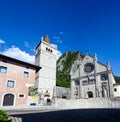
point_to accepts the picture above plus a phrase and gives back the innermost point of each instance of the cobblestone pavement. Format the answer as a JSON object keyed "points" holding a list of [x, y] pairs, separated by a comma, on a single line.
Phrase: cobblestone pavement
{"points": [[78, 115]]}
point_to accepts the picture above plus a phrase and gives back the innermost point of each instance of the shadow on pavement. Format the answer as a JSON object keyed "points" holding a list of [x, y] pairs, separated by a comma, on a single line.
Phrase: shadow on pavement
{"points": [[76, 115]]}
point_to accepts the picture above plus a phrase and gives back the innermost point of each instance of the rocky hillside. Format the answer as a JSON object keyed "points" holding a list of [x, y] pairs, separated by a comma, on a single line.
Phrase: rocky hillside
{"points": [[64, 64]]}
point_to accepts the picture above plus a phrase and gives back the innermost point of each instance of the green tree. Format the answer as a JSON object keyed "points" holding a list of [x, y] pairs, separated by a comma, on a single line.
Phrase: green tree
{"points": [[67, 59]]}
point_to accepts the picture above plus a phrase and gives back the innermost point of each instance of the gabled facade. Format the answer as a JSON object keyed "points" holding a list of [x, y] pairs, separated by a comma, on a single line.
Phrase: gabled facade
{"points": [[15, 79], [91, 79]]}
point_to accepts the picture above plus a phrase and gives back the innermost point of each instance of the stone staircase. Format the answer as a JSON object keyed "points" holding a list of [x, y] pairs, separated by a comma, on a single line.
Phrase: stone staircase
{"points": [[16, 119]]}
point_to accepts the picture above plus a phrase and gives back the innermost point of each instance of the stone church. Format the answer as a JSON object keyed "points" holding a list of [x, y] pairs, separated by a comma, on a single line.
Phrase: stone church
{"points": [[91, 79]]}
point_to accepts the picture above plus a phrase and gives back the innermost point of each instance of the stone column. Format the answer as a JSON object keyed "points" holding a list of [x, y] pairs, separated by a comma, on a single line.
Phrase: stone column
{"points": [[72, 89], [110, 80], [80, 82], [96, 77]]}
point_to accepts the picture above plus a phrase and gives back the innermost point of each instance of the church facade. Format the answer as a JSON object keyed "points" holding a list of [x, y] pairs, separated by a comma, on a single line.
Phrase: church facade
{"points": [[91, 79]]}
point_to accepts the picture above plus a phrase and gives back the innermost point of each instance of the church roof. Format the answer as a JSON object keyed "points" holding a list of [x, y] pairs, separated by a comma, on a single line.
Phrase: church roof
{"points": [[46, 39], [97, 61]]}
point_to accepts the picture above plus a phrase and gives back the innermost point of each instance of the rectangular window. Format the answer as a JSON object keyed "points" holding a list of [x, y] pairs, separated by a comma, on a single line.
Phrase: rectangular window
{"points": [[21, 95], [26, 74], [3, 69], [10, 84]]}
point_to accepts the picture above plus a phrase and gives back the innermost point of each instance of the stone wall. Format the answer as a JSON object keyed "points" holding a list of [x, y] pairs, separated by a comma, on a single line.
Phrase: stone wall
{"points": [[88, 103], [62, 92]]}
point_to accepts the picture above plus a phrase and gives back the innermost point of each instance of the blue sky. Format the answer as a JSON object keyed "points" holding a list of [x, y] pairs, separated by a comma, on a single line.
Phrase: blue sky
{"points": [[91, 26]]}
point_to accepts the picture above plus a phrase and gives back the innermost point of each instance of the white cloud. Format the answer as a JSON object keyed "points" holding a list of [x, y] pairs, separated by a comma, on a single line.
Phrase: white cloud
{"points": [[56, 37], [2, 42], [16, 53], [26, 44], [59, 41], [61, 33], [33, 49], [54, 45], [58, 52]]}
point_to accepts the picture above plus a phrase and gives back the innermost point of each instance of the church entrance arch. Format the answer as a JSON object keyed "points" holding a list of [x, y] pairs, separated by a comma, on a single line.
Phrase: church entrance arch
{"points": [[8, 100], [90, 94]]}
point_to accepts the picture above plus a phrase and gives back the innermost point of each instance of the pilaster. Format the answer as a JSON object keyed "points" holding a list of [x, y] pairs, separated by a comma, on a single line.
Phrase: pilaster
{"points": [[97, 90], [110, 80]]}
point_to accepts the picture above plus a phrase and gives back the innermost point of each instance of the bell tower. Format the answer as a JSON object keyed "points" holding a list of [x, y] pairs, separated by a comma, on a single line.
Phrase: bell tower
{"points": [[46, 56]]}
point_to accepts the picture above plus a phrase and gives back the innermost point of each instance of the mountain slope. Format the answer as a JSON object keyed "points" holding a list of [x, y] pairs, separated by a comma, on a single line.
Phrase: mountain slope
{"points": [[64, 64]]}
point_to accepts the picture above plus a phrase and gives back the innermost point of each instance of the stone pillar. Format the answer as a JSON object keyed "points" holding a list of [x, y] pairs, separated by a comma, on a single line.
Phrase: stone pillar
{"points": [[72, 89], [110, 80], [78, 63], [80, 82], [97, 90]]}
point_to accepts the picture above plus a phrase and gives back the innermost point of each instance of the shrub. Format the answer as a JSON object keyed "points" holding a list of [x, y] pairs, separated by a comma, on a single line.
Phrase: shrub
{"points": [[4, 117]]}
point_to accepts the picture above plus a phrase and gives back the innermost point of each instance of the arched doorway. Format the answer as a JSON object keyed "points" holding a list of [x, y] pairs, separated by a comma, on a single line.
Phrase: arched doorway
{"points": [[8, 100], [90, 94]]}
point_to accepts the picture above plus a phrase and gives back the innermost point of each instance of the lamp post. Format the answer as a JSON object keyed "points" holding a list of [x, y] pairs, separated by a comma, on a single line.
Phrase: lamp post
{"points": [[78, 62]]}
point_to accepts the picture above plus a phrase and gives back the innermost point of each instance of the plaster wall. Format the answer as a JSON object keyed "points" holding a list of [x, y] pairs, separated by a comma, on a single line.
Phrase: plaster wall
{"points": [[15, 72], [63, 92]]}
